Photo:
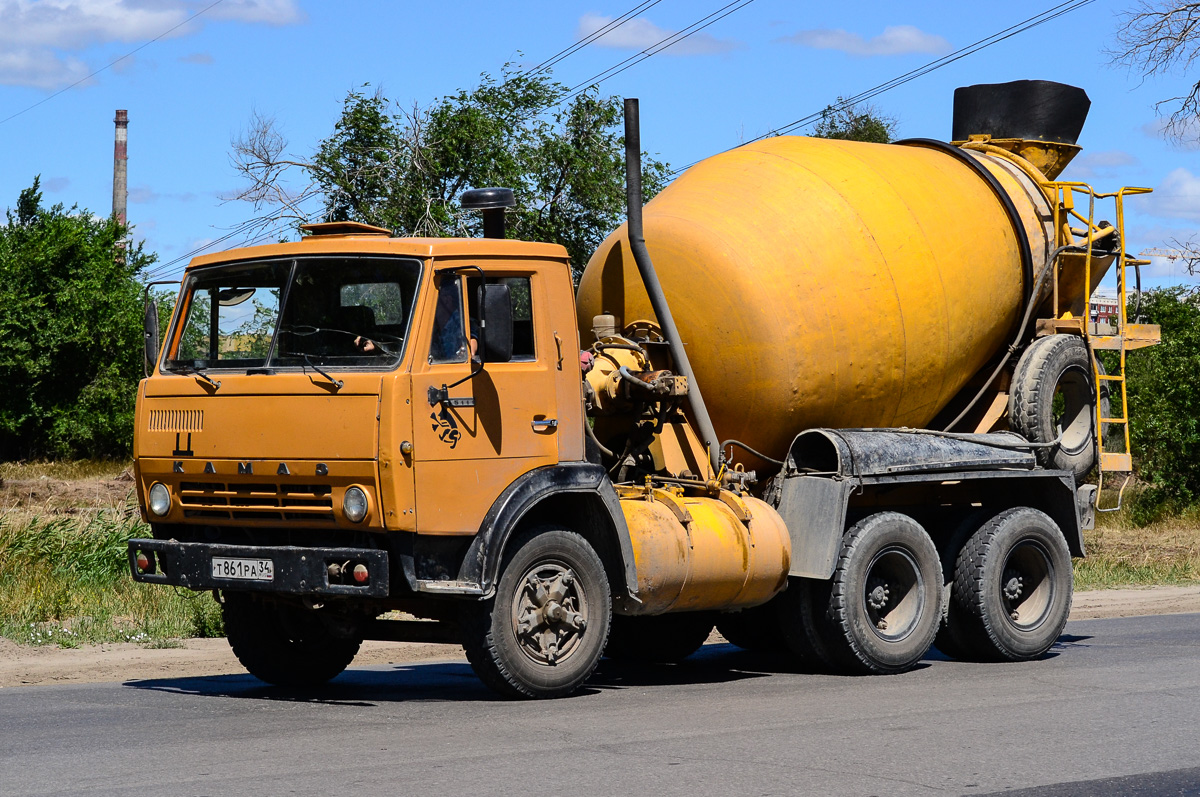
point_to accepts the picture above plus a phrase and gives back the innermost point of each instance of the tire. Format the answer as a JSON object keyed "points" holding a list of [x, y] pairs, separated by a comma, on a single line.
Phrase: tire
{"points": [[1012, 586], [886, 597], [756, 629], [955, 637], [806, 628], [661, 639], [284, 645], [1057, 366], [542, 633]]}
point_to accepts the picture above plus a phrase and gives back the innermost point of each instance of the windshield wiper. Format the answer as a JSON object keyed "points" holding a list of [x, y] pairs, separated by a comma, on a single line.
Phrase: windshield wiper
{"points": [[192, 370], [337, 383]]}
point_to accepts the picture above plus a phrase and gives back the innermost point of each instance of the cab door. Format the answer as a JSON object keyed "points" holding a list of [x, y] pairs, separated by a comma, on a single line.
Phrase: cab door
{"points": [[497, 425]]}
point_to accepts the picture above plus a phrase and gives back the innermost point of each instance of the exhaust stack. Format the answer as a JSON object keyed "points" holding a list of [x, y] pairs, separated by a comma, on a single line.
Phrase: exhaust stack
{"points": [[658, 300]]}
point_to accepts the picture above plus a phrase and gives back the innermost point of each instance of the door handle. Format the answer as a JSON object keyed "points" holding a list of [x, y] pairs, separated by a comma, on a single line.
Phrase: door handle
{"points": [[541, 426]]}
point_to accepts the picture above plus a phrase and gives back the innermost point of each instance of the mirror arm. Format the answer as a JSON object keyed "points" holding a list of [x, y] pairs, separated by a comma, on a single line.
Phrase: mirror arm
{"points": [[442, 395]]}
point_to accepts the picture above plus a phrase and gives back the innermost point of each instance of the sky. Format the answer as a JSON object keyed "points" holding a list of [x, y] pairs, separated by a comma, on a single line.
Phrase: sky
{"points": [[199, 70]]}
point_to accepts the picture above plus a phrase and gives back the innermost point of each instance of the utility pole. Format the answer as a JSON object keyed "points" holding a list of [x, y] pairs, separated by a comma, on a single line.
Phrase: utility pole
{"points": [[121, 166]]}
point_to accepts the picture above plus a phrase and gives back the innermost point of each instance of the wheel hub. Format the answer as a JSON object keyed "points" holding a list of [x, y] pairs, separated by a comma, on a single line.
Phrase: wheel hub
{"points": [[1014, 585], [549, 613]]}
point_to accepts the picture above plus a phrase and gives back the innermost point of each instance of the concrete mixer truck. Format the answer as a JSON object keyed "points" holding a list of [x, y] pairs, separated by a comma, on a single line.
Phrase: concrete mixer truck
{"points": [[838, 400]]}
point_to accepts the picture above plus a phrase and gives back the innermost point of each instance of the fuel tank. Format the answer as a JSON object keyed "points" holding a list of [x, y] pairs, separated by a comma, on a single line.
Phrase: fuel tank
{"points": [[695, 553], [831, 283]]}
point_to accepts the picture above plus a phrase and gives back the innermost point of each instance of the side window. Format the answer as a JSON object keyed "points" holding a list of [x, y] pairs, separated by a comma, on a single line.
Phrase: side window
{"points": [[449, 341], [520, 294]]}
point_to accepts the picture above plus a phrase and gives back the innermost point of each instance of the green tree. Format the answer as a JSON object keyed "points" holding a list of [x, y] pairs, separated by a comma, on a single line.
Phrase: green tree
{"points": [[563, 158], [1164, 396], [855, 122], [70, 332]]}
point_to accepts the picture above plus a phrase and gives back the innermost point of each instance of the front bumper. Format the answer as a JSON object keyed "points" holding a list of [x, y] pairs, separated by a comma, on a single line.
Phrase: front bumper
{"points": [[297, 571]]}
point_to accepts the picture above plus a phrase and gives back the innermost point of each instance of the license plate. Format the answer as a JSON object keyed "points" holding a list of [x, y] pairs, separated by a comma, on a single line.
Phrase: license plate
{"points": [[245, 569]]}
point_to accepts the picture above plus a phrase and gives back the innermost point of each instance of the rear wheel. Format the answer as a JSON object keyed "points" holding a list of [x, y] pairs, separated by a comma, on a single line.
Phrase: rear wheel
{"points": [[1012, 586], [886, 600], [542, 633], [662, 639], [754, 629], [806, 628], [285, 645]]}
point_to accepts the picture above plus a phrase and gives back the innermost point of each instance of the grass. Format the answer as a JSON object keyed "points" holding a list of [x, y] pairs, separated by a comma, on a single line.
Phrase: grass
{"points": [[64, 580], [1123, 551], [64, 469]]}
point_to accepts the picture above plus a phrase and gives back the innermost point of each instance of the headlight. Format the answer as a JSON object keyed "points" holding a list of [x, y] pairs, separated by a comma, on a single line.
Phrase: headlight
{"points": [[160, 499], [354, 504]]}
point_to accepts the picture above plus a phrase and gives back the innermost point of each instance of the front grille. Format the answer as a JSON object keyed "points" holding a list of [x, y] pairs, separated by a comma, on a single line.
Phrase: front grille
{"points": [[176, 420], [246, 501]]}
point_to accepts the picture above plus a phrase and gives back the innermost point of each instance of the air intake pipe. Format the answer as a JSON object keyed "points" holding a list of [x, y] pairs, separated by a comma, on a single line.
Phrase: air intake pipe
{"points": [[658, 300], [492, 201]]}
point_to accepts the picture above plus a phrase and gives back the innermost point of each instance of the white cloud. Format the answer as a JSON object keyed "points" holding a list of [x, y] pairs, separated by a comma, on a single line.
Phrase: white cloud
{"points": [[1103, 164], [203, 59], [895, 40], [264, 12], [39, 39], [1177, 197], [39, 68], [56, 184], [640, 33], [1188, 135]]}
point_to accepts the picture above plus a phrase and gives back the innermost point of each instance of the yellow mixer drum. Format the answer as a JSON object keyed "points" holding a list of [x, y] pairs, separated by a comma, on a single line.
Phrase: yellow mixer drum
{"points": [[830, 283]]}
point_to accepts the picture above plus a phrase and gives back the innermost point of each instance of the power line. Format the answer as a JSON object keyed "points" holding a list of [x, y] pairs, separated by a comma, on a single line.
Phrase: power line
{"points": [[1028, 24], [267, 228], [586, 40], [656, 48], [113, 63]]}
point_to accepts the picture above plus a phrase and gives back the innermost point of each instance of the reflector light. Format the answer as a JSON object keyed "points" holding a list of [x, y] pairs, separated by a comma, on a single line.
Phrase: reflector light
{"points": [[360, 573], [143, 562]]}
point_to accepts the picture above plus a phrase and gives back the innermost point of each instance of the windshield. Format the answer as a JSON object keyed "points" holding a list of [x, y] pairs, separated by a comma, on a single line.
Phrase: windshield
{"points": [[336, 311]]}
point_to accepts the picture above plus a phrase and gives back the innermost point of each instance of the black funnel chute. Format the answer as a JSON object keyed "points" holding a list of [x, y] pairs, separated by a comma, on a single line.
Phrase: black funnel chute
{"points": [[1038, 110]]}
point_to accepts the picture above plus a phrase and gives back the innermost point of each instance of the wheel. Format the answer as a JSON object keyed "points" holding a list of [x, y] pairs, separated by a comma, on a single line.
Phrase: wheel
{"points": [[1012, 586], [886, 597], [285, 645], [1053, 395], [542, 633], [661, 639], [754, 629], [955, 637], [806, 628]]}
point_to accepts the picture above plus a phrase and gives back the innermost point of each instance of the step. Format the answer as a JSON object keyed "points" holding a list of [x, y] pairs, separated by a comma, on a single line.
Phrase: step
{"points": [[1118, 463]]}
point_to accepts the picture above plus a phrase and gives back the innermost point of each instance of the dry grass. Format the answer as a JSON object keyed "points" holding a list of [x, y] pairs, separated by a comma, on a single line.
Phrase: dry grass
{"points": [[1122, 554], [67, 469]]}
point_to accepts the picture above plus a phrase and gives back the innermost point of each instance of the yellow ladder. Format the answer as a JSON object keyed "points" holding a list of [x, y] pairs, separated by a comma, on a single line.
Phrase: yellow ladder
{"points": [[1125, 337]]}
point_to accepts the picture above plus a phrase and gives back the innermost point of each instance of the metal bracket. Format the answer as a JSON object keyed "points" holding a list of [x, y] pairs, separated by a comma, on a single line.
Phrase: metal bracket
{"points": [[442, 396]]}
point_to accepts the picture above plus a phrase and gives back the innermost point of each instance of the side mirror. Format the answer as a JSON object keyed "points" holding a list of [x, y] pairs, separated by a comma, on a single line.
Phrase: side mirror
{"points": [[496, 324], [151, 335]]}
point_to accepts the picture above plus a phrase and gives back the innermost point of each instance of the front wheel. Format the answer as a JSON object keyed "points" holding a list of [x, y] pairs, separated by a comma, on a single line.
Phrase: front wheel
{"points": [[542, 633], [1012, 586], [285, 645]]}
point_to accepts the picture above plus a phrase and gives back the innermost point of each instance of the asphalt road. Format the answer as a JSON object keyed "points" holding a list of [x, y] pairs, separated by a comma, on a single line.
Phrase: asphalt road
{"points": [[1114, 710]]}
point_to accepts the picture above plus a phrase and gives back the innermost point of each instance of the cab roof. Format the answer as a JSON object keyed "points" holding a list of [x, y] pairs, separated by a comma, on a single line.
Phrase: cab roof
{"points": [[376, 243]]}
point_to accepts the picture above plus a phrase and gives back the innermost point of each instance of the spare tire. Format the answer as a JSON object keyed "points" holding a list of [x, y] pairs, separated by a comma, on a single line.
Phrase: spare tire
{"points": [[1054, 395]]}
